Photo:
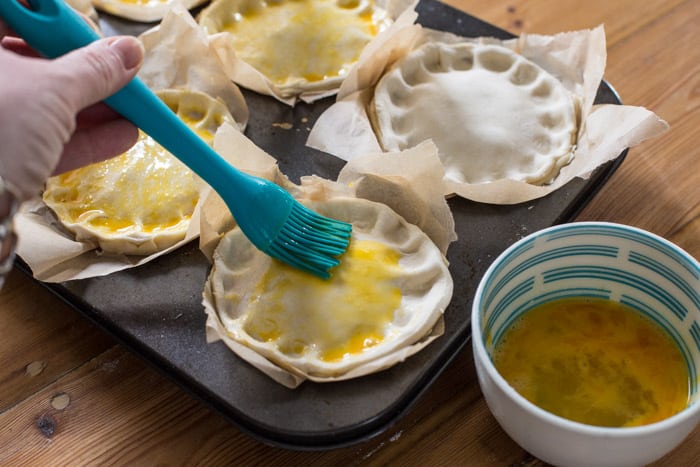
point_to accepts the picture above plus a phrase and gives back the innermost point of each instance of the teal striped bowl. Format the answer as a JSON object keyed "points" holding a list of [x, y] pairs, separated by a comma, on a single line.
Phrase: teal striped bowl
{"points": [[589, 259]]}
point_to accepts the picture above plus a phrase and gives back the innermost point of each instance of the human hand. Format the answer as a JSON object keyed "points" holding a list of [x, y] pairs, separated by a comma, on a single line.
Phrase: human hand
{"points": [[51, 116]]}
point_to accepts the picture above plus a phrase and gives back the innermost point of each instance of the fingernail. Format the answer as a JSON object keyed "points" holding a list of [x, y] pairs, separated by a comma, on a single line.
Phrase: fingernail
{"points": [[130, 50]]}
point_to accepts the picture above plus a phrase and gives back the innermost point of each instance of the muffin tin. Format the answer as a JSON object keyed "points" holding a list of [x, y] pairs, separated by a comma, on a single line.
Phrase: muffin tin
{"points": [[156, 311]]}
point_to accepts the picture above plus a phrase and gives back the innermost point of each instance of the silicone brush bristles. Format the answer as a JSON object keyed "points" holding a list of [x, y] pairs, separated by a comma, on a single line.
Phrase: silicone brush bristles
{"points": [[310, 241]]}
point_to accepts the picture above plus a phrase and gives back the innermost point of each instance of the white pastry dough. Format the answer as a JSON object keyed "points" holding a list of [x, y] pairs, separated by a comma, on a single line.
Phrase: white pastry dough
{"points": [[140, 202], [142, 10], [492, 113], [298, 45], [390, 289]]}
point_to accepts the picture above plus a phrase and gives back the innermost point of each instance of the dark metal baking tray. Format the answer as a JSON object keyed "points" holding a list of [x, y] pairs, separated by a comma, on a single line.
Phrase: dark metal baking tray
{"points": [[156, 310]]}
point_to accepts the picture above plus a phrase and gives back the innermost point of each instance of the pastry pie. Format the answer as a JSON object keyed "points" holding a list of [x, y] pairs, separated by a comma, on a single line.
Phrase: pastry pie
{"points": [[388, 292], [492, 113], [298, 45], [140, 202]]}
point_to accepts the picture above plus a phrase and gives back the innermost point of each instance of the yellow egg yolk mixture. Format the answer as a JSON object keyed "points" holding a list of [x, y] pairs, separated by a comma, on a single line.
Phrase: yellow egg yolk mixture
{"points": [[595, 362], [337, 317], [309, 39], [146, 186]]}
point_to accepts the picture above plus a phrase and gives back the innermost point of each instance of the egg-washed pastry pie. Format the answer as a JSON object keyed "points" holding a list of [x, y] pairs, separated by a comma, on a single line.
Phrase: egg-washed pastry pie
{"points": [[492, 113], [298, 45], [142, 10], [390, 289], [140, 202]]}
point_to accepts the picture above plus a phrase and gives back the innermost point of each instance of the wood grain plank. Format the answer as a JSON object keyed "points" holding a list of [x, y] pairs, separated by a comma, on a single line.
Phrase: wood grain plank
{"points": [[122, 412], [647, 70], [665, 175], [119, 412], [686, 232], [42, 338], [665, 171], [620, 18]]}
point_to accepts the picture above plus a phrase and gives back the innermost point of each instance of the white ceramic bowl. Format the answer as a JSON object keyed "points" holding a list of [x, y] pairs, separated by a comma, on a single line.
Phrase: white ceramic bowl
{"points": [[596, 259]]}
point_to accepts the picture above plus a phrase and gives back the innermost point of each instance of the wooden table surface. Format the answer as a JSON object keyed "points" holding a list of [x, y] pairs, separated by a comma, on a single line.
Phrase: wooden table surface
{"points": [[70, 395]]}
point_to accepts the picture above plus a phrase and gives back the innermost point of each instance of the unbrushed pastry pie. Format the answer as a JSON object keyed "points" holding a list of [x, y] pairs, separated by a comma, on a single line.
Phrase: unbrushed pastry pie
{"points": [[298, 45], [388, 292], [492, 113], [140, 202], [142, 10]]}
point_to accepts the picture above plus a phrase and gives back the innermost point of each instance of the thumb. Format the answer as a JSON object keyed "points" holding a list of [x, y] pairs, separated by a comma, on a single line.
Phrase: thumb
{"points": [[93, 73]]}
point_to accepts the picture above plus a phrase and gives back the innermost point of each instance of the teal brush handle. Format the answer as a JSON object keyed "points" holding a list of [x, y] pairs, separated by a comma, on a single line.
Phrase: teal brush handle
{"points": [[53, 28]]}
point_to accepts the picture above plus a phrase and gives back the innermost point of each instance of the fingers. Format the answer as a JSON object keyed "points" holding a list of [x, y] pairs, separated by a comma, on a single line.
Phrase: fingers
{"points": [[95, 72], [97, 143], [18, 46]]}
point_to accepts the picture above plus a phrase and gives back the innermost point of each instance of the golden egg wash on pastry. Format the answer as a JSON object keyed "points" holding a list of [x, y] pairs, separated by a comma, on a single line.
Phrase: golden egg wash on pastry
{"points": [[297, 41], [388, 292], [106, 196], [337, 317], [141, 201]]}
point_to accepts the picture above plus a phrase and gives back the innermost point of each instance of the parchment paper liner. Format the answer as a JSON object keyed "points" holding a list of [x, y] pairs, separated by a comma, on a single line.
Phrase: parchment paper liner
{"points": [[576, 59], [402, 11], [411, 183], [177, 57]]}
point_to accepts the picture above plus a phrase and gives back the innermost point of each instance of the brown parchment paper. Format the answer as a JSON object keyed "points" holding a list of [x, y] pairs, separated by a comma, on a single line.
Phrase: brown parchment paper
{"points": [[177, 57], [577, 59], [401, 185], [401, 11]]}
